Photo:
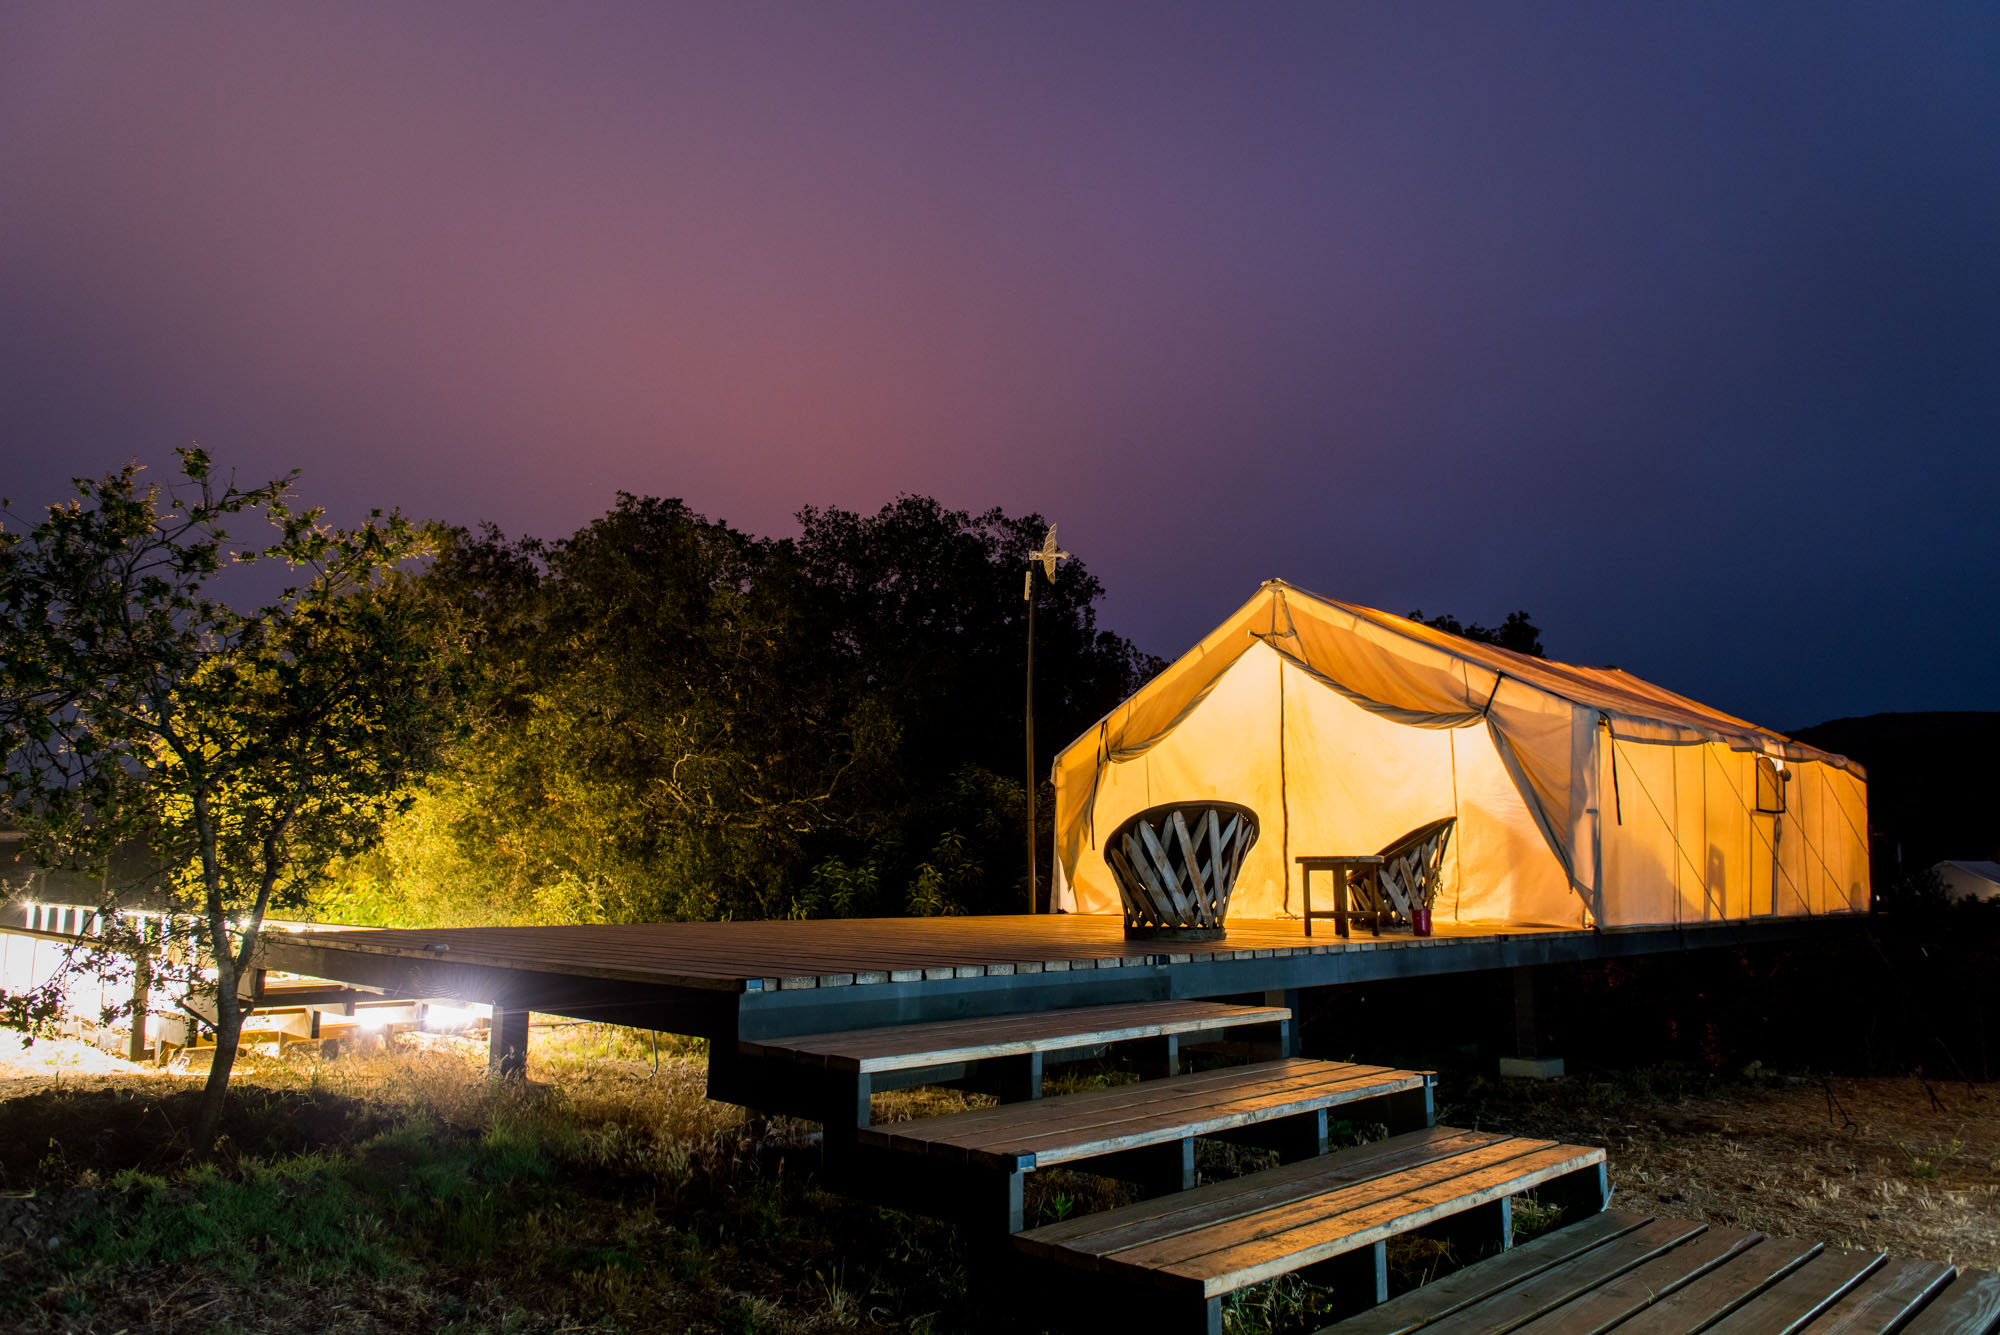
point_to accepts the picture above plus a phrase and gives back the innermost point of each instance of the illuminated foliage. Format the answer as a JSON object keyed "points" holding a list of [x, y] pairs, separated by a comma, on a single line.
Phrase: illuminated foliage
{"points": [[686, 721], [245, 750]]}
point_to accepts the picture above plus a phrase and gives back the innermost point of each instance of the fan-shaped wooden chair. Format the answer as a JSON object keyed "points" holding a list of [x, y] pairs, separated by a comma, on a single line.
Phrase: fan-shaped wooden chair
{"points": [[1381, 888], [1175, 866]]}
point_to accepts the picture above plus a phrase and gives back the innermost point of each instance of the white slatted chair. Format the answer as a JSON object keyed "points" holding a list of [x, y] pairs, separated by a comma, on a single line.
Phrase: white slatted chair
{"points": [[1412, 868], [1175, 866]]}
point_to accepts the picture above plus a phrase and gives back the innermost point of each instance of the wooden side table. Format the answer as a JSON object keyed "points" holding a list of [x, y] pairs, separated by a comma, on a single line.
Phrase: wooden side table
{"points": [[1343, 869]]}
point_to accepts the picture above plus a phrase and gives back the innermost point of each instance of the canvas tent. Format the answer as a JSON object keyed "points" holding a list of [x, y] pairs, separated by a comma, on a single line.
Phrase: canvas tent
{"points": [[1969, 880], [1584, 796]]}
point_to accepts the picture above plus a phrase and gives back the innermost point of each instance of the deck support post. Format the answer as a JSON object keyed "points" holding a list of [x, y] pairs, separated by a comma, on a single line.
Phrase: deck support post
{"points": [[847, 1111], [1303, 1137], [1359, 1279], [1484, 1230], [1010, 1203], [1530, 1061], [1288, 1042], [1295, 1138], [988, 1199], [1157, 1058], [142, 995], [1413, 1109], [507, 1043], [1013, 1079], [1577, 1195]]}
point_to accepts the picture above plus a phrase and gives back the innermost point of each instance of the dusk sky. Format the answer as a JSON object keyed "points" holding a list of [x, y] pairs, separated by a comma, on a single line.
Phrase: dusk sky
{"points": [[1675, 324]]}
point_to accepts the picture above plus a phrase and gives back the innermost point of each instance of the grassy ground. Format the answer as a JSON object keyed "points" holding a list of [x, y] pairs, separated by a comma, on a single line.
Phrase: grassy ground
{"points": [[402, 1191], [1895, 1164]]}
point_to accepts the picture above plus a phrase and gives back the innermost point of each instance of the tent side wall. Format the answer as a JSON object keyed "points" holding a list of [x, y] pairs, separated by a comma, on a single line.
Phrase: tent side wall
{"points": [[1684, 840], [1337, 778], [1583, 794]]}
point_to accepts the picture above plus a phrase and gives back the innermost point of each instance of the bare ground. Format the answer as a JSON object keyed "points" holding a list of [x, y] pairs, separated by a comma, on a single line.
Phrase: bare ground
{"points": [[1891, 1164]]}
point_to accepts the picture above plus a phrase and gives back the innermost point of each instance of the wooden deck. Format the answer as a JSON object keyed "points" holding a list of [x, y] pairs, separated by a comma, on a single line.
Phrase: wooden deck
{"points": [[842, 952], [772, 979], [1638, 1275]]}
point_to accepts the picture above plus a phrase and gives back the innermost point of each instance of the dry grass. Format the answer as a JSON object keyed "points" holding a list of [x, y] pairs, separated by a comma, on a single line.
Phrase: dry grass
{"points": [[1889, 1164], [602, 1195], [610, 1195]]}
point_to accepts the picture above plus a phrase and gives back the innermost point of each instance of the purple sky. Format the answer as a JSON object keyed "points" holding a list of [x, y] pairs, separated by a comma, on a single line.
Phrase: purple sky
{"points": [[1678, 325]]}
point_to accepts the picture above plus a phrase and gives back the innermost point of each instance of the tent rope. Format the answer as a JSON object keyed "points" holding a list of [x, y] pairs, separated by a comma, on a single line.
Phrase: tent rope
{"points": [[1457, 845], [1284, 798], [1810, 847], [1617, 801], [1674, 835]]}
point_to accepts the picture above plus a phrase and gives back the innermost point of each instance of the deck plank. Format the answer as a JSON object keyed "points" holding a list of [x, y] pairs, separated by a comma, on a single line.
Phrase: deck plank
{"points": [[1067, 1113], [1971, 1306], [732, 954], [1110, 1231], [1248, 1253], [1184, 1117], [1722, 1289], [1417, 1309], [1417, 1185], [906, 1046], [1885, 1298], [1802, 1295], [1559, 1284], [1062, 1132], [1639, 1288]]}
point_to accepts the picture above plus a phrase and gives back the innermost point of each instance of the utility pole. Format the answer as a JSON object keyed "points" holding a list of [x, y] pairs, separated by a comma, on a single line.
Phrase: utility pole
{"points": [[1046, 558]]}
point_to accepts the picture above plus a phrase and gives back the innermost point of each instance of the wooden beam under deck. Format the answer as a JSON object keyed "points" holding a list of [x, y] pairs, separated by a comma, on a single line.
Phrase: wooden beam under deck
{"points": [[754, 980]]}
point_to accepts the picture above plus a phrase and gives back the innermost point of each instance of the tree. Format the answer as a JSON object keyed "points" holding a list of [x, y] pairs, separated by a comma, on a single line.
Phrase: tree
{"points": [[244, 750], [682, 720], [1518, 632]]}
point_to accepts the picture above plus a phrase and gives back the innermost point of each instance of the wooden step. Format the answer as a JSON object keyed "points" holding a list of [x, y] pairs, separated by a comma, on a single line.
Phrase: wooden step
{"points": [[907, 1046], [830, 1077], [1097, 1122], [971, 1163], [1638, 1275], [1175, 1259]]}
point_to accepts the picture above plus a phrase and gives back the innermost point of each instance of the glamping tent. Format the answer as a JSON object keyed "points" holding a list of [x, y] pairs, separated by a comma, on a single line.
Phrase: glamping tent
{"points": [[1970, 880], [1583, 796]]}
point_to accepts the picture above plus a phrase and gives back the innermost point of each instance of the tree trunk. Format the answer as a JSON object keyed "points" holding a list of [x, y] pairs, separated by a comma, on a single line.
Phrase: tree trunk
{"points": [[142, 995], [228, 1034]]}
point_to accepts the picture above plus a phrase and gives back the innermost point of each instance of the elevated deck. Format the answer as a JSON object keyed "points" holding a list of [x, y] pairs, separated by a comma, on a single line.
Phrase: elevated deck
{"points": [[754, 980]]}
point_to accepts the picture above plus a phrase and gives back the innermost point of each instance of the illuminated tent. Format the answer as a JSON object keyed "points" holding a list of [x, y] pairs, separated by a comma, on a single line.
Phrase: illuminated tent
{"points": [[1584, 796]]}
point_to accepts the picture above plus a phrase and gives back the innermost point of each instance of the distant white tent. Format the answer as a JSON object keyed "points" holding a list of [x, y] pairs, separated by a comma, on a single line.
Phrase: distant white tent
{"points": [[1584, 796], [1970, 880]]}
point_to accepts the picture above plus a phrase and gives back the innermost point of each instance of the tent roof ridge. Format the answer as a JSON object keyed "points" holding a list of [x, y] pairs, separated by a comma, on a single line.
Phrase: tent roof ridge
{"points": [[1648, 701]]}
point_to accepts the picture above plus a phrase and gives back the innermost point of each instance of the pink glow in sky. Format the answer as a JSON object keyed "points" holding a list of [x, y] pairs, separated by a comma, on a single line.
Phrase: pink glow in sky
{"points": [[1675, 325]]}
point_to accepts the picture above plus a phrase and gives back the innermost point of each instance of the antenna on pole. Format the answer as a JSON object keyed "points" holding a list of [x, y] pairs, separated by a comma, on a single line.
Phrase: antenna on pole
{"points": [[1046, 557]]}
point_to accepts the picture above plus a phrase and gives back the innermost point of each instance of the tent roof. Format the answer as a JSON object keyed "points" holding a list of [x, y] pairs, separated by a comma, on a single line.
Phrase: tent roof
{"points": [[1615, 693], [1609, 689]]}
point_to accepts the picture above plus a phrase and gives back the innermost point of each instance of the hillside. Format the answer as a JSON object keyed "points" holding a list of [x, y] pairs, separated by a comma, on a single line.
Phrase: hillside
{"points": [[1933, 789]]}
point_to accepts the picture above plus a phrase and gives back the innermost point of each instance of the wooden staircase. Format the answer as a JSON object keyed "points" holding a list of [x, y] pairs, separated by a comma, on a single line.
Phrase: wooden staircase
{"points": [[972, 1164], [1169, 1262], [1177, 1256]]}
